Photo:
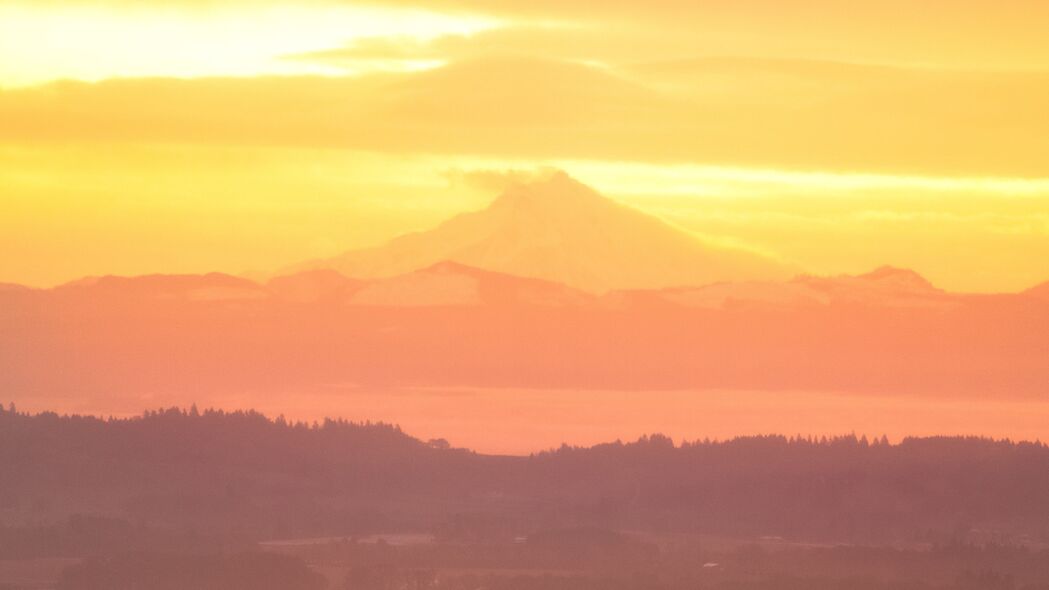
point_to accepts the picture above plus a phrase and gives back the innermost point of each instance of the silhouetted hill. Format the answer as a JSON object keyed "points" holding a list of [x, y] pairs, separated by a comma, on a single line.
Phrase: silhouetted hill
{"points": [[241, 476]]}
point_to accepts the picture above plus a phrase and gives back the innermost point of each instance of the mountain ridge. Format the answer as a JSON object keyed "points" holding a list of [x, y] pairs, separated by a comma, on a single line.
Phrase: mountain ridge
{"points": [[450, 283], [451, 325]]}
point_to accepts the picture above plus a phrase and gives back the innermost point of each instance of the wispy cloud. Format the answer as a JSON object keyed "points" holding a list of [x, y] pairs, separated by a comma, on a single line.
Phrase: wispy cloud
{"points": [[782, 115]]}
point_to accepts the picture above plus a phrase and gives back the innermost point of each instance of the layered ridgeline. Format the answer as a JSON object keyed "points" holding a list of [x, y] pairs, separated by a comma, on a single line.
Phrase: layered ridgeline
{"points": [[561, 230], [190, 474], [888, 331]]}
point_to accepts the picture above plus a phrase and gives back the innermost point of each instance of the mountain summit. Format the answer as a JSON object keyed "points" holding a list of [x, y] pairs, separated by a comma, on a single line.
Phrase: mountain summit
{"points": [[559, 229]]}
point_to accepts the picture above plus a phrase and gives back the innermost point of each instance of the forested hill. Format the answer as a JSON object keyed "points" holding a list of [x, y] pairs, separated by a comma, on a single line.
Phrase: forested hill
{"points": [[239, 473]]}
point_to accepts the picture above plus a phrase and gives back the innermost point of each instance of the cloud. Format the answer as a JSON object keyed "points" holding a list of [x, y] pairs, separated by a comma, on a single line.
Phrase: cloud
{"points": [[794, 114], [900, 31], [568, 42], [1009, 33], [497, 105], [494, 182], [986, 33]]}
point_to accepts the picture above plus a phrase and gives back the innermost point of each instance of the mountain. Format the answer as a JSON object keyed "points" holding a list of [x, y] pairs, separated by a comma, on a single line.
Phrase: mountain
{"points": [[1039, 291], [313, 286], [439, 285], [883, 287], [209, 287], [451, 283], [447, 283], [561, 230], [886, 286], [442, 284], [13, 288]]}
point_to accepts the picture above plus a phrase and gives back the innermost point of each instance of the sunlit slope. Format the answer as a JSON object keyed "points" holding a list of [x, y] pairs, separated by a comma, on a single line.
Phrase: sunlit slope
{"points": [[561, 230]]}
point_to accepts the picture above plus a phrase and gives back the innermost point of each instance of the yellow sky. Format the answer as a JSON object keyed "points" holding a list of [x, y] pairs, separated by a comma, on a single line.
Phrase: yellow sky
{"points": [[250, 134]]}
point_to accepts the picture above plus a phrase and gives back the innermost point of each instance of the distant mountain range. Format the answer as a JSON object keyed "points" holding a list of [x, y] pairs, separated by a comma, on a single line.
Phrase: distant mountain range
{"points": [[449, 324], [553, 242], [552, 286], [451, 284], [561, 230]]}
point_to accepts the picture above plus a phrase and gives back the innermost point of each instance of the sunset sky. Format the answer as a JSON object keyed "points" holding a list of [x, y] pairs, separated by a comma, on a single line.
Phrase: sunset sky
{"points": [[243, 136]]}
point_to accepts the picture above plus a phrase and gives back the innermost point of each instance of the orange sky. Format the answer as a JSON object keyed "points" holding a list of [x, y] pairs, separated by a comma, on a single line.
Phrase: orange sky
{"points": [[251, 134]]}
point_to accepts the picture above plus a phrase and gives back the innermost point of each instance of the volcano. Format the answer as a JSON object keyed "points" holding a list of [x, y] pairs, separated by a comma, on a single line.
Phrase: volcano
{"points": [[561, 230]]}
